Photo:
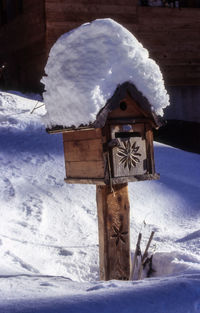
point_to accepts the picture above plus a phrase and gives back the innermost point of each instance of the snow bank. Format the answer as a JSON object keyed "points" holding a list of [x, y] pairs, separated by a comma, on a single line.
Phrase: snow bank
{"points": [[15, 109], [49, 231], [45, 294], [87, 64]]}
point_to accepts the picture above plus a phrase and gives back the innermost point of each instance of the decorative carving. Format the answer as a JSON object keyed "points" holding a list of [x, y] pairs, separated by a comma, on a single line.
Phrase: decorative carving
{"points": [[120, 271], [119, 234], [128, 154]]}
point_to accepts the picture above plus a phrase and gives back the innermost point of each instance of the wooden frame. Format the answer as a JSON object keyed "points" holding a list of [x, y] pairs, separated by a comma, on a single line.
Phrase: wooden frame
{"points": [[87, 156]]}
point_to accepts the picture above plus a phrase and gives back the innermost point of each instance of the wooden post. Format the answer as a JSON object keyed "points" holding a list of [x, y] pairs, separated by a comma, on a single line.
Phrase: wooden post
{"points": [[114, 232]]}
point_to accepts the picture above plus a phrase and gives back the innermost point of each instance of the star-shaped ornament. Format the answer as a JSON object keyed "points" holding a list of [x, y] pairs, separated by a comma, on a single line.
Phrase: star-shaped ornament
{"points": [[119, 234], [128, 154]]}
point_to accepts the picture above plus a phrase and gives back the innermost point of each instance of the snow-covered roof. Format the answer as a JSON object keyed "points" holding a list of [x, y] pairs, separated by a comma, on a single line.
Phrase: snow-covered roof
{"points": [[86, 65], [121, 93]]}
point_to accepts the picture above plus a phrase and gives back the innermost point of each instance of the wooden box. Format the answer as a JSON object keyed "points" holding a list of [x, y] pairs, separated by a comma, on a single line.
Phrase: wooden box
{"points": [[83, 150], [118, 147]]}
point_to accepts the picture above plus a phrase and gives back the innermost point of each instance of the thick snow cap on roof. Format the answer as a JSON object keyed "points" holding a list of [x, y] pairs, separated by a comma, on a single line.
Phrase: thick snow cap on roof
{"points": [[86, 65]]}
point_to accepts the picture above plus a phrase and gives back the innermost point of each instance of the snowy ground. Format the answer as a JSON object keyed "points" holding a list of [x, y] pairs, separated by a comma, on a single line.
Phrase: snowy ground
{"points": [[48, 229]]}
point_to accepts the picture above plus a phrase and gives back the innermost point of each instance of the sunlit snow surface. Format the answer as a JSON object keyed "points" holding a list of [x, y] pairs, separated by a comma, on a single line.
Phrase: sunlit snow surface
{"points": [[86, 65], [48, 229]]}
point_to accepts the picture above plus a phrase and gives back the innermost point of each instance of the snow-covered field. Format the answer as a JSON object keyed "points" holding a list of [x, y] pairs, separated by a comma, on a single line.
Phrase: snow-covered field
{"points": [[49, 232]]}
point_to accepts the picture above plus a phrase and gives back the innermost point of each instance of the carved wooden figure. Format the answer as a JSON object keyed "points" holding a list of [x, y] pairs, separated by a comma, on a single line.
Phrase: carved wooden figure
{"points": [[115, 149]]}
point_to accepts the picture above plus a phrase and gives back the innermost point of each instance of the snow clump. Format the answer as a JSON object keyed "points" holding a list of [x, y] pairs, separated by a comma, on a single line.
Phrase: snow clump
{"points": [[86, 65]]}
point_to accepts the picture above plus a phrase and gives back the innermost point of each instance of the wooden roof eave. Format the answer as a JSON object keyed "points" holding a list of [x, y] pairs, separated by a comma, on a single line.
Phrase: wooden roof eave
{"points": [[121, 93], [62, 129]]}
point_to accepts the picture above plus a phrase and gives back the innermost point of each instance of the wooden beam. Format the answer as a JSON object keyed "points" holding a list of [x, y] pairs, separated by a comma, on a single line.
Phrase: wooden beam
{"points": [[83, 150], [114, 232], [118, 180], [82, 134], [96, 181], [150, 150], [85, 169], [130, 121]]}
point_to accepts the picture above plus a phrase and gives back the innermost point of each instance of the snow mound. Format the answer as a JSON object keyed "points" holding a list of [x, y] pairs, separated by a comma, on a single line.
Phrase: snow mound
{"points": [[49, 229], [86, 65]]}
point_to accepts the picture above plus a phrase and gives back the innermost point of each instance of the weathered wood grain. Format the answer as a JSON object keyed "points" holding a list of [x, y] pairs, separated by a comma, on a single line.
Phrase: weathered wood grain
{"points": [[94, 181], [85, 169], [174, 44], [132, 110], [85, 134], [114, 232], [129, 158], [83, 150], [115, 181], [150, 150]]}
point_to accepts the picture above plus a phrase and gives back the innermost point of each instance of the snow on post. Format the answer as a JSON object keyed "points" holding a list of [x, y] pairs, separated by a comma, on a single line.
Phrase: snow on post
{"points": [[86, 65]]}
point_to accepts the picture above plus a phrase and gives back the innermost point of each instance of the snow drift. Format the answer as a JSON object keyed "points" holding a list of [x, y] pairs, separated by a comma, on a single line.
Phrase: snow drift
{"points": [[87, 64], [49, 231]]}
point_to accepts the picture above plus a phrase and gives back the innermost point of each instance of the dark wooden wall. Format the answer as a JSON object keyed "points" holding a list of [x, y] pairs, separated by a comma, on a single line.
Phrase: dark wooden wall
{"points": [[170, 34], [23, 46], [64, 15], [172, 38]]}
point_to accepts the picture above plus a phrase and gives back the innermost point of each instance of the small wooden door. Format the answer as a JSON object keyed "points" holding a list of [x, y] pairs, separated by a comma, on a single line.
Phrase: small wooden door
{"points": [[129, 157]]}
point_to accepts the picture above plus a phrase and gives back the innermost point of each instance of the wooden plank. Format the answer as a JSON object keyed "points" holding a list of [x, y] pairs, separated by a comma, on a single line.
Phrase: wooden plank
{"points": [[182, 75], [83, 150], [90, 169], [82, 134], [90, 16], [91, 2], [172, 44], [162, 39], [115, 181], [105, 8], [120, 180], [132, 110], [123, 165], [167, 59], [114, 232], [185, 70], [170, 16], [76, 13], [60, 129], [96, 181], [150, 150], [115, 121], [57, 27], [87, 11], [129, 158]]}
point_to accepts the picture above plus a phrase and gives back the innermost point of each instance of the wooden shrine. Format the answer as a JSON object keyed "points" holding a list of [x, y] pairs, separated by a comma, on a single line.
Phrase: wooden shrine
{"points": [[116, 149]]}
